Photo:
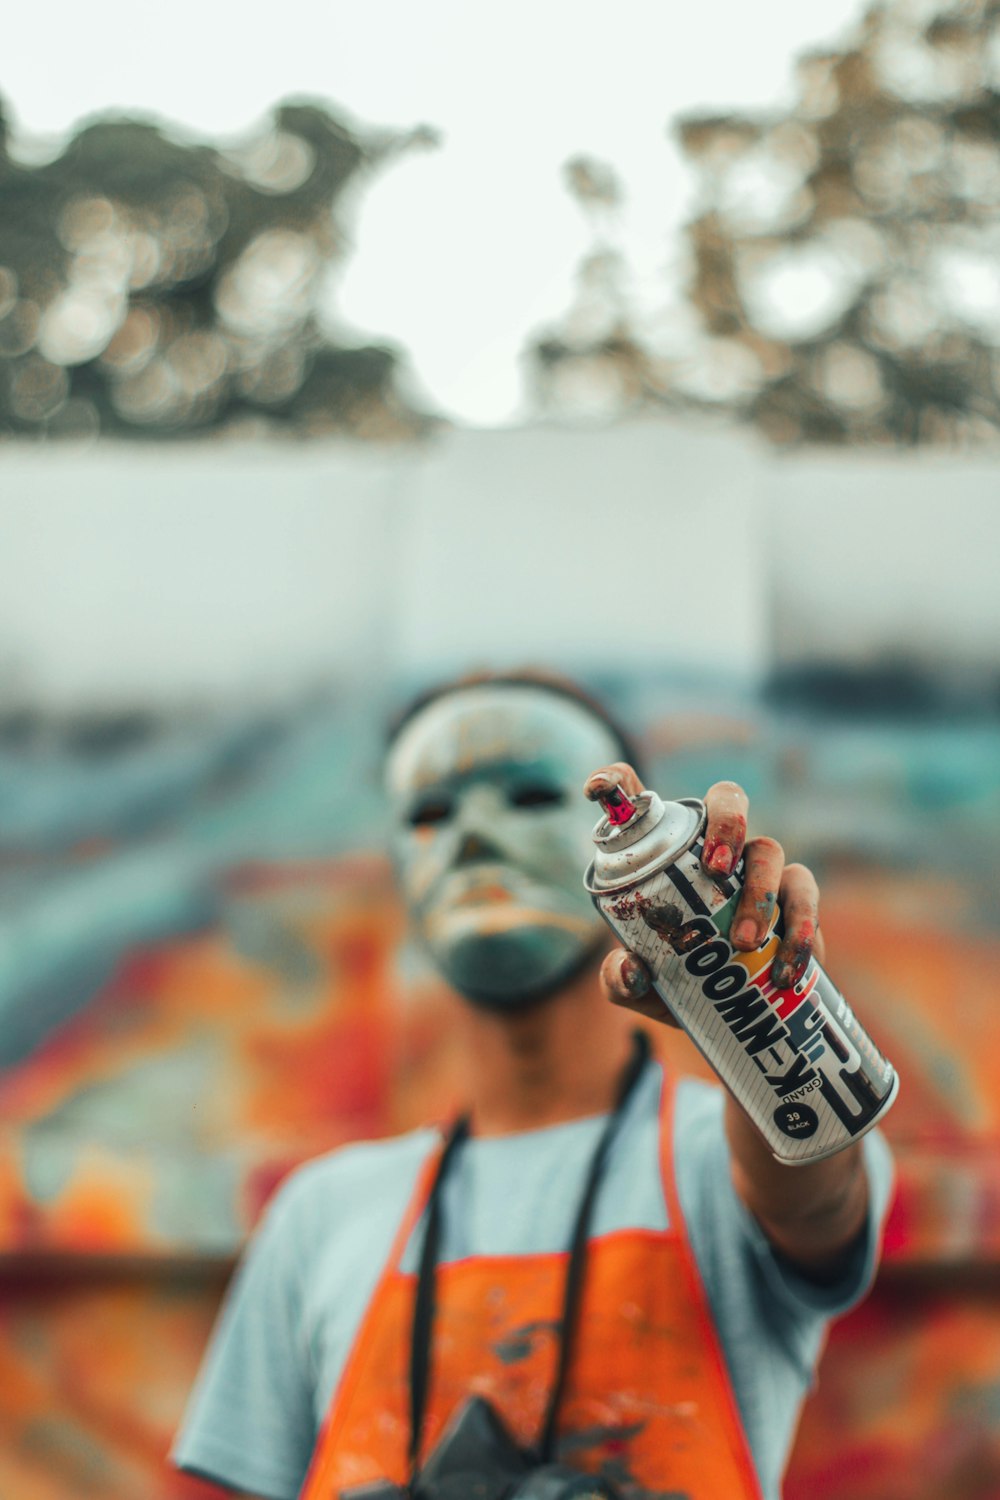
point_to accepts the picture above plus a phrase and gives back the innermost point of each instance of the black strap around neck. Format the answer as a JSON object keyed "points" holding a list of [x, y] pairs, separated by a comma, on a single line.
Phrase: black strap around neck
{"points": [[423, 1306], [424, 1302]]}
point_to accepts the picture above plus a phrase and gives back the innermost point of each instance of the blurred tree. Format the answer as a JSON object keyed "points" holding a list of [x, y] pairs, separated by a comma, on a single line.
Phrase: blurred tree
{"points": [[152, 286], [845, 257], [596, 364]]}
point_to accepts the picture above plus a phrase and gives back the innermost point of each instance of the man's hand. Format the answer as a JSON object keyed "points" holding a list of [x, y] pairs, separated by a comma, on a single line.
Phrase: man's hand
{"points": [[812, 1214]]}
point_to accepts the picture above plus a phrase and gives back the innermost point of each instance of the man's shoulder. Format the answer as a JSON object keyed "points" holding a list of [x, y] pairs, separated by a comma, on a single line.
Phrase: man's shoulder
{"points": [[356, 1179], [362, 1161]]}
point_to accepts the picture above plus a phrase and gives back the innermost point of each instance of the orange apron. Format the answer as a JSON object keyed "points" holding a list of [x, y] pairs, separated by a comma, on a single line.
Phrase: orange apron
{"points": [[647, 1401]]}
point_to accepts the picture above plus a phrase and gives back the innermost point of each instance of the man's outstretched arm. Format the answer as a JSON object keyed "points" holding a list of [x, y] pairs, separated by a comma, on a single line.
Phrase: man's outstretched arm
{"points": [[812, 1214]]}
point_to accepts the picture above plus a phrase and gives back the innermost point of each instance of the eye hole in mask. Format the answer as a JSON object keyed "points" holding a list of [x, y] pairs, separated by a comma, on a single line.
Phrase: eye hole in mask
{"points": [[536, 796], [434, 810]]}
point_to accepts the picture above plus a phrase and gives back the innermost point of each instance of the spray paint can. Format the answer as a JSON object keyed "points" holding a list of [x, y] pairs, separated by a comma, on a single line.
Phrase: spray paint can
{"points": [[797, 1059]]}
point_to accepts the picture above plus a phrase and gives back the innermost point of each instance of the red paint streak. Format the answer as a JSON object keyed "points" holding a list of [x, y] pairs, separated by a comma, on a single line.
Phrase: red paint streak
{"points": [[791, 998]]}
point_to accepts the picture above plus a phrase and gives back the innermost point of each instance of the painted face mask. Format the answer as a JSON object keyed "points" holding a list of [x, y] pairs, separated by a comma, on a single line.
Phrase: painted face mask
{"points": [[491, 837]]}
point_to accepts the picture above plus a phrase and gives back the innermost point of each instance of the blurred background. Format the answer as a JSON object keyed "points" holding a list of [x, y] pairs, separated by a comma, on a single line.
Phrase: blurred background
{"points": [[339, 352]]}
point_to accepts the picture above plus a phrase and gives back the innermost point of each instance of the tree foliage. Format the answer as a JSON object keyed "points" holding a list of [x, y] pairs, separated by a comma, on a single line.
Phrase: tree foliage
{"points": [[844, 257], [153, 286]]}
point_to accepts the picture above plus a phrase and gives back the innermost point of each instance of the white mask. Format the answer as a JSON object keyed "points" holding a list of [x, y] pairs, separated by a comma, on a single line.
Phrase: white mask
{"points": [[491, 836]]}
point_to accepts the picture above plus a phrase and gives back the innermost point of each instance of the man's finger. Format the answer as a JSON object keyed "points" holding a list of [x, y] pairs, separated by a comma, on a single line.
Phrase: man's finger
{"points": [[799, 898], [726, 830], [626, 982], [618, 773], [763, 863]]}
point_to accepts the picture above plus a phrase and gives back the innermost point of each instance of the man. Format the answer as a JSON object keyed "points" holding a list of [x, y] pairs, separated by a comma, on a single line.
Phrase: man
{"points": [[613, 1272]]}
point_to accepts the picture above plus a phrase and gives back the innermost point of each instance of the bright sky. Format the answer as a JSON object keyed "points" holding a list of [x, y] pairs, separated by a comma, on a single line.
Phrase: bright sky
{"points": [[462, 252]]}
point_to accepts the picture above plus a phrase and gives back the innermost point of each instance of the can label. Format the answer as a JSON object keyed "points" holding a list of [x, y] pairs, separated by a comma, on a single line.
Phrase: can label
{"points": [[797, 1059]]}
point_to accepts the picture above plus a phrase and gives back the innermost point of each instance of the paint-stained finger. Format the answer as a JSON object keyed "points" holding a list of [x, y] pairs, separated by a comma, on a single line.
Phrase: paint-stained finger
{"points": [[625, 980], [799, 896], [726, 829], [763, 863], [618, 774], [625, 976]]}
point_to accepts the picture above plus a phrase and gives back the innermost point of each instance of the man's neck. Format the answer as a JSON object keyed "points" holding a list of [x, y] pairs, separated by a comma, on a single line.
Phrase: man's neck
{"points": [[559, 1061]]}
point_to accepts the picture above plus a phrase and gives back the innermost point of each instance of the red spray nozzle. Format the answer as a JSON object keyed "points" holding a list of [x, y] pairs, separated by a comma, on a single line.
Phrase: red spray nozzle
{"points": [[619, 808]]}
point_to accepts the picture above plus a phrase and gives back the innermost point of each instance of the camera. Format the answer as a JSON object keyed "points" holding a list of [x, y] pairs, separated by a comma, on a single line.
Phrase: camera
{"points": [[477, 1459]]}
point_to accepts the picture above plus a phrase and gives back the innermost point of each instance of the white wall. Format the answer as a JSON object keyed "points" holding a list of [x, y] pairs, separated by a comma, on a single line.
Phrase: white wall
{"points": [[145, 575], [638, 540], [886, 554], [141, 574]]}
